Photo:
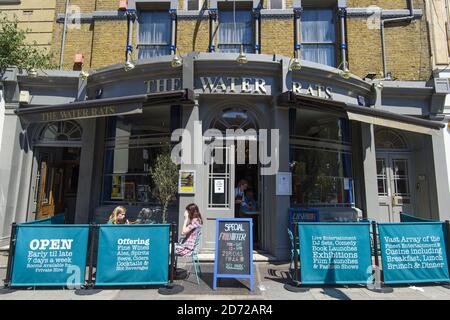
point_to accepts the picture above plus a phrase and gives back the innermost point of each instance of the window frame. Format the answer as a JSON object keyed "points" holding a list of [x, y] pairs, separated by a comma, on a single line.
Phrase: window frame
{"points": [[334, 43], [140, 44], [251, 45]]}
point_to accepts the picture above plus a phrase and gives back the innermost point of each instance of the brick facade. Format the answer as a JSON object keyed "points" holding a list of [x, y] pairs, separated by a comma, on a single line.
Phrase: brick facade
{"points": [[407, 47]]}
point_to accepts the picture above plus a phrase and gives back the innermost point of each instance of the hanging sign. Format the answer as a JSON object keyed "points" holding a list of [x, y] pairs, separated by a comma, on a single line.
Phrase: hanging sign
{"points": [[413, 252], [50, 255], [234, 250], [133, 255], [335, 253]]}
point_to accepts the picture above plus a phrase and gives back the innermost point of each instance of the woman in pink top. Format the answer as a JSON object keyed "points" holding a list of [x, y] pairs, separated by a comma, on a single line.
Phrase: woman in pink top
{"points": [[192, 223]]}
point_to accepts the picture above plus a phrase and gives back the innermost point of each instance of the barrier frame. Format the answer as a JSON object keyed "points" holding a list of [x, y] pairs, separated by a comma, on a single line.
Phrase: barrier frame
{"points": [[298, 258], [12, 251], [169, 284]]}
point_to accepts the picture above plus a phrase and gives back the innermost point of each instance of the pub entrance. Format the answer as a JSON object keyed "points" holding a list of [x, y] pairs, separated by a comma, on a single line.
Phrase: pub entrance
{"points": [[233, 159], [57, 150]]}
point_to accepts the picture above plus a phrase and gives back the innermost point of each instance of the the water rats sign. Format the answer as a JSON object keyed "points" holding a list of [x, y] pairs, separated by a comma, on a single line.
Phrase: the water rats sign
{"points": [[335, 253], [413, 252], [133, 255], [50, 255]]}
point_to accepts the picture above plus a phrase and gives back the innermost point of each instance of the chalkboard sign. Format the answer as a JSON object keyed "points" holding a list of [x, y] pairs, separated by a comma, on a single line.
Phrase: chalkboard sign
{"points": [[234, 250]]}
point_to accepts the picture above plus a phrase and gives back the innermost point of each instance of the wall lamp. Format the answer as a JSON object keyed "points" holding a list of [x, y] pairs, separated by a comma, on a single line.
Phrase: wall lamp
{"points": [[84, 75], [345, 72], [177, 61], [32, 72], [242, 57], [129, 66]]}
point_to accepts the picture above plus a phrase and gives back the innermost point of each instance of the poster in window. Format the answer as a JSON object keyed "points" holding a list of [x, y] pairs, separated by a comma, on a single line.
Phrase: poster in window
{"points": [[143, 193], [118, 187], [130, 194], [186, 183]]}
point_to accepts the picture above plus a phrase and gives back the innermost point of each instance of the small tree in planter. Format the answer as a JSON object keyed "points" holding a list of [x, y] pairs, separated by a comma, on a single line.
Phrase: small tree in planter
{"points": [[165, 176]]}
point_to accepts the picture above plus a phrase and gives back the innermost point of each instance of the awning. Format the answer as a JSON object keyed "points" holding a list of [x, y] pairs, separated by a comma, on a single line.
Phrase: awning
{"points": [[359, 113], [103, 107]]}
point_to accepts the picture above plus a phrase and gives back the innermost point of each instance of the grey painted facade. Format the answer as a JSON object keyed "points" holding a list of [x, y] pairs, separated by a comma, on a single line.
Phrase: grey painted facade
{"points": [[265, 78]]}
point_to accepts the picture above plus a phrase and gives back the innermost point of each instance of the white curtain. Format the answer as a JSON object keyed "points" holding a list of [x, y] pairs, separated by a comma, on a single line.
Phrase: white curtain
{"points": [[318, 36], [154, 34], [232, 35]]}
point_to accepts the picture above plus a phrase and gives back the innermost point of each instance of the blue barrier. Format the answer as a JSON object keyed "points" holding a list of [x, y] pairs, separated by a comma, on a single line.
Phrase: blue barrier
{"points": [[335, 253], [49, 255], [133, 255], [413, 252], [56, 219], [409, 218]]}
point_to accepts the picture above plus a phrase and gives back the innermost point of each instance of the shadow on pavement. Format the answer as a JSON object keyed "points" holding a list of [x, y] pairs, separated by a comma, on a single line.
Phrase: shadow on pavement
{"points": [[87, 292]]}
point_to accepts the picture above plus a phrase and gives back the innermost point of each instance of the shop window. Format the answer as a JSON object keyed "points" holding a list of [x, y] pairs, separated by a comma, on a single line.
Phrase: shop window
{"points": [[320, 159], [154, 34], [235, 29], [131, 147], [319, 36]]}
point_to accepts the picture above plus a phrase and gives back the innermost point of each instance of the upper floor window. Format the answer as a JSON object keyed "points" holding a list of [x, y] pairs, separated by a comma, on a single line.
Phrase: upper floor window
{"points": [[235, 29], [319, 36], [275, 4], [154, 34]]}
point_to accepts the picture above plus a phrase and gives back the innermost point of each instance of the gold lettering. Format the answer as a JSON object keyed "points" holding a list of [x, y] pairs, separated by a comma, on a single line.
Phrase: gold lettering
{"points": [[296, 87], [233, 84], [310, 91], [221, 84], [260, 86], [329, 93], [246, 87]]}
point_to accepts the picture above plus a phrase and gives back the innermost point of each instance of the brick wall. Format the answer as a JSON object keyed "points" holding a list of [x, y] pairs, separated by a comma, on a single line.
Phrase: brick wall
{"points": [[193, 35], [407, 47], [277, 36]]}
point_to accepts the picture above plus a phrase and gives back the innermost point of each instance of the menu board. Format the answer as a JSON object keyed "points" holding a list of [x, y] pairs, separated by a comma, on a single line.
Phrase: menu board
{"points": [[234, 249]]}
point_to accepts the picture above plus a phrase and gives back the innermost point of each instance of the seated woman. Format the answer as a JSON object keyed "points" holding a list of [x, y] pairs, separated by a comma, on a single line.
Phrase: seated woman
{"points": [[118, 216], [192, 224]]}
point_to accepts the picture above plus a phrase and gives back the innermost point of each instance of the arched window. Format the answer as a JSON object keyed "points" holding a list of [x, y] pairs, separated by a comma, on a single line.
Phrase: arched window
{"points": [[60, 131], [389, 139], [234, 118]]}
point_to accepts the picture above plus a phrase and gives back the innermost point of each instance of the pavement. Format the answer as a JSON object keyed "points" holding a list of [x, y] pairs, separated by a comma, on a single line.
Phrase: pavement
{"points": [[270, 279]]}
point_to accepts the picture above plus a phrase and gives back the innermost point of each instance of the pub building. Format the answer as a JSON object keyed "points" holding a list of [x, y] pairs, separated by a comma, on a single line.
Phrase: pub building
{"points": [[326, 139], [349, 154]]}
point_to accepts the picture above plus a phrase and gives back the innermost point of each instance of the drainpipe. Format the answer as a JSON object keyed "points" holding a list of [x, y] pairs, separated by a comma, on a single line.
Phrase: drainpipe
{"points": [[383, 22], [131, 17], [63, 41], [342, 12], [212, 28], [257, 16], [173, 17], [297, 21]]}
